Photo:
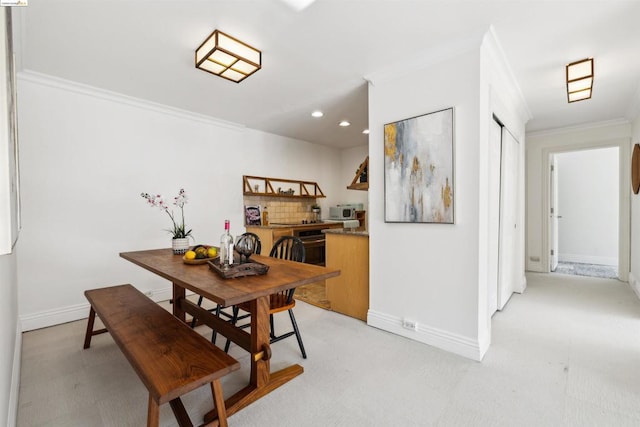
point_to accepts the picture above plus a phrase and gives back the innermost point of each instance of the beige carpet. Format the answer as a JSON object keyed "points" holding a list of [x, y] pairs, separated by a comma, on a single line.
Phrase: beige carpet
{"points": [[564, 353]]}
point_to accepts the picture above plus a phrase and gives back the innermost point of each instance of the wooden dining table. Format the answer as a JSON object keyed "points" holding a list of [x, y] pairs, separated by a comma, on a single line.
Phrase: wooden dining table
{"points": [[200, 279]]}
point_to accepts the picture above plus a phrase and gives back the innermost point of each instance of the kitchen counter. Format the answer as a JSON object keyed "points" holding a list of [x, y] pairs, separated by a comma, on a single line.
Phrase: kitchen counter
{"points": [[299, 226], [347, 231]]}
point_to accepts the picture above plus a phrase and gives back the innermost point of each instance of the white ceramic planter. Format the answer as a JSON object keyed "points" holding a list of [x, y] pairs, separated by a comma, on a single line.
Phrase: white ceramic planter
{"points": [[180, 246]]}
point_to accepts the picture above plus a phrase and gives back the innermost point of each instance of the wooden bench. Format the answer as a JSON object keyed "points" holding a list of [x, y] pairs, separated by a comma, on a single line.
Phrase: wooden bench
{"points": [[170, 358]]}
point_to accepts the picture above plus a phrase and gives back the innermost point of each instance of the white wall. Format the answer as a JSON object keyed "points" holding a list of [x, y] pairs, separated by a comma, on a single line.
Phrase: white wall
{"points": [[539, 146], [350, 160], [588, 191], [428, 272], [634, 277], [500, 96], [436, 274], [86, 157], [10, 339]]}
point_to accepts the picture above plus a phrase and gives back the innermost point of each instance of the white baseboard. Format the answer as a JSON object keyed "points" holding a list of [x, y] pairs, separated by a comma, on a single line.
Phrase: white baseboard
{"points": [[633, 282], [75, 312], [12, 415], [588, 259], [444, 340], [53, 317]]}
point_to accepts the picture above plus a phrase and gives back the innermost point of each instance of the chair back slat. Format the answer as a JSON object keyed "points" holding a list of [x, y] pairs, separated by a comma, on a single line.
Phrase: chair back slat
{"points": [[289, 248], [257, 245]]}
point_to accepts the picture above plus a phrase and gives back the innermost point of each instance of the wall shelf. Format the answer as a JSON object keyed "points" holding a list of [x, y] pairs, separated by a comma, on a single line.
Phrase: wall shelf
{"points": [[356, 184], [280, 187]]}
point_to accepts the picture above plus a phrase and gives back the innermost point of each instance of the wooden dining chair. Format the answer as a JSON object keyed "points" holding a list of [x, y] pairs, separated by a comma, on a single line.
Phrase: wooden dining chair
{"points": [[219, 310], [292, 249]]}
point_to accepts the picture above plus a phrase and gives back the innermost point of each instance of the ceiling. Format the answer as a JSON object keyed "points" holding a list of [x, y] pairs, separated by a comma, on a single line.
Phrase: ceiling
{"points": [[316, 57]]}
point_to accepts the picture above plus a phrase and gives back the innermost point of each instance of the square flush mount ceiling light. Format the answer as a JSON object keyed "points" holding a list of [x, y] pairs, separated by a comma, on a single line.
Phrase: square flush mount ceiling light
{"points": [[224, 56], [579, 80]]}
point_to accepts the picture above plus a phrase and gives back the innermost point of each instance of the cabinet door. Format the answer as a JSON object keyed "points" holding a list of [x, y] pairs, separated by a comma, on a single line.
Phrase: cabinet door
{"points": [[268, 236], [279, 232], [348, 293], [266, 240]]}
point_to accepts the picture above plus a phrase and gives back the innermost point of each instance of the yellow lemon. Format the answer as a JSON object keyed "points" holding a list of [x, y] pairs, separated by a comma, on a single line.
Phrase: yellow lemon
{"points": [[190, 255], [212, 252]]}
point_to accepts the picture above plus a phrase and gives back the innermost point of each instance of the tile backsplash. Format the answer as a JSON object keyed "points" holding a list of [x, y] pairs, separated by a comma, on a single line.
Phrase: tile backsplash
{"points": [[283, 210]]}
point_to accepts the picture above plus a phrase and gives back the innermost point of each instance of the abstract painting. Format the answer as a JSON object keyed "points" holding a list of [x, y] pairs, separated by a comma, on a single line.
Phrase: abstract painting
{"points": [[418, 169]]}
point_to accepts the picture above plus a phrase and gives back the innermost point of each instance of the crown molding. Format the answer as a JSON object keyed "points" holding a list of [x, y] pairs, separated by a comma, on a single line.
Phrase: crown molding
{"points": [[83, 89], [580, 127], [505, 74]]}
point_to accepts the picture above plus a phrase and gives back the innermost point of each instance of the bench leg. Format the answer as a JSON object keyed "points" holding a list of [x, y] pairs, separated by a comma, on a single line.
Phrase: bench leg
{"points": [[153, 413], [89, 334], [218, 398], [90, 331], [181, 414]]}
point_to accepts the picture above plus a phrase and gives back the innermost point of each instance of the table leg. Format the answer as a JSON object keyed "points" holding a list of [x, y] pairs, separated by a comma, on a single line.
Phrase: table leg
{"points": [[261, 382], [178, 294], [259, 340]]}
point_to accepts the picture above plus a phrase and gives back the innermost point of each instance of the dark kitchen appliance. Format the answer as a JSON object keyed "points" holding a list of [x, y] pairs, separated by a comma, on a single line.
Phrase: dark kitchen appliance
{"points": [[314, 245]]}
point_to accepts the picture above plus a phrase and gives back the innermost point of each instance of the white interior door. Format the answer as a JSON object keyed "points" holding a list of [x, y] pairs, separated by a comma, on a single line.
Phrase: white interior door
{"points": [[508, 267], [553, 212], [495, 141]]}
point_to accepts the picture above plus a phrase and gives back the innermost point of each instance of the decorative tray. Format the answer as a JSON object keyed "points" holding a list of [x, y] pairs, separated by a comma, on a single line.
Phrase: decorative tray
{"points": [[199, 261], [251, 268]]}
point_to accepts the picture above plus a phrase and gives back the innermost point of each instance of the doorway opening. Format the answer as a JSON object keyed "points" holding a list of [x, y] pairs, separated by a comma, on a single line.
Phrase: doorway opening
{"points": [[584, 212]]}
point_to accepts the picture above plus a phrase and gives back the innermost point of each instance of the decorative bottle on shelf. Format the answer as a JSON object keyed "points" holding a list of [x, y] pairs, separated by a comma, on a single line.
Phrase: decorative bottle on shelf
{"points": [[265, 216], [226, 247]]}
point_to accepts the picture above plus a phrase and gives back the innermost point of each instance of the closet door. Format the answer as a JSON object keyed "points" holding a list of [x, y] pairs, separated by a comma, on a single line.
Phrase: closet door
{"points": [[495, 143], [507, 266]]}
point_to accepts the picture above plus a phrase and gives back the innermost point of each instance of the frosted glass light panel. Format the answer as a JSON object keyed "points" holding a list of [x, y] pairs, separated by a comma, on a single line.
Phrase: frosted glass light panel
{"points": [[227, 57], [579, 80]]}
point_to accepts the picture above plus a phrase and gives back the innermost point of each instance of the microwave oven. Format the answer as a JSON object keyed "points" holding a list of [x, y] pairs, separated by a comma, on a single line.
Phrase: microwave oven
{"points": [[344, 212]]}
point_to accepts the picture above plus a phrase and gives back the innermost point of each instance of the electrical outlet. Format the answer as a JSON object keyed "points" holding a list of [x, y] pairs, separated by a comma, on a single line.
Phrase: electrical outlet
{"points": [[410, 324]]}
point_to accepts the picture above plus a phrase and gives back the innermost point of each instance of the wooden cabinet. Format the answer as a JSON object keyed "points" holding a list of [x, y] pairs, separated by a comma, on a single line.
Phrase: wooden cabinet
{"points": [[264, 186], [361, 180], [268, 236], [349, 292]]}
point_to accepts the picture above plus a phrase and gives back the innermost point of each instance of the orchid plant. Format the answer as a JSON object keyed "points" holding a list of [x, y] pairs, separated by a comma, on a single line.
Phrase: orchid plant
{"points": [[179, 229]]}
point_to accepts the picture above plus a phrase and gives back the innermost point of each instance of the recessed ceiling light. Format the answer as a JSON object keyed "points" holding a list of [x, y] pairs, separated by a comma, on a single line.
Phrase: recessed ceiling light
{"points": [[366, 131], [344, 123], [317, 113]]}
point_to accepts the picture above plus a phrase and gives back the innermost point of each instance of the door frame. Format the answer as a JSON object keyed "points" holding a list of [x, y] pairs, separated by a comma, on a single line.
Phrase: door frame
{"points": [[553, 215], [624, 222]]}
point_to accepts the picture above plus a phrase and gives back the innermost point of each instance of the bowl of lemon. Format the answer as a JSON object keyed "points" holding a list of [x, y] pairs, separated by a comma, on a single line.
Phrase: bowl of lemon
{"points": [[200, 254]]}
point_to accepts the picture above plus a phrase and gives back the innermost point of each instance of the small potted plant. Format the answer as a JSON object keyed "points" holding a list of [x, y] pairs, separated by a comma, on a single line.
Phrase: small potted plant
{"points": [[180, 235]]}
